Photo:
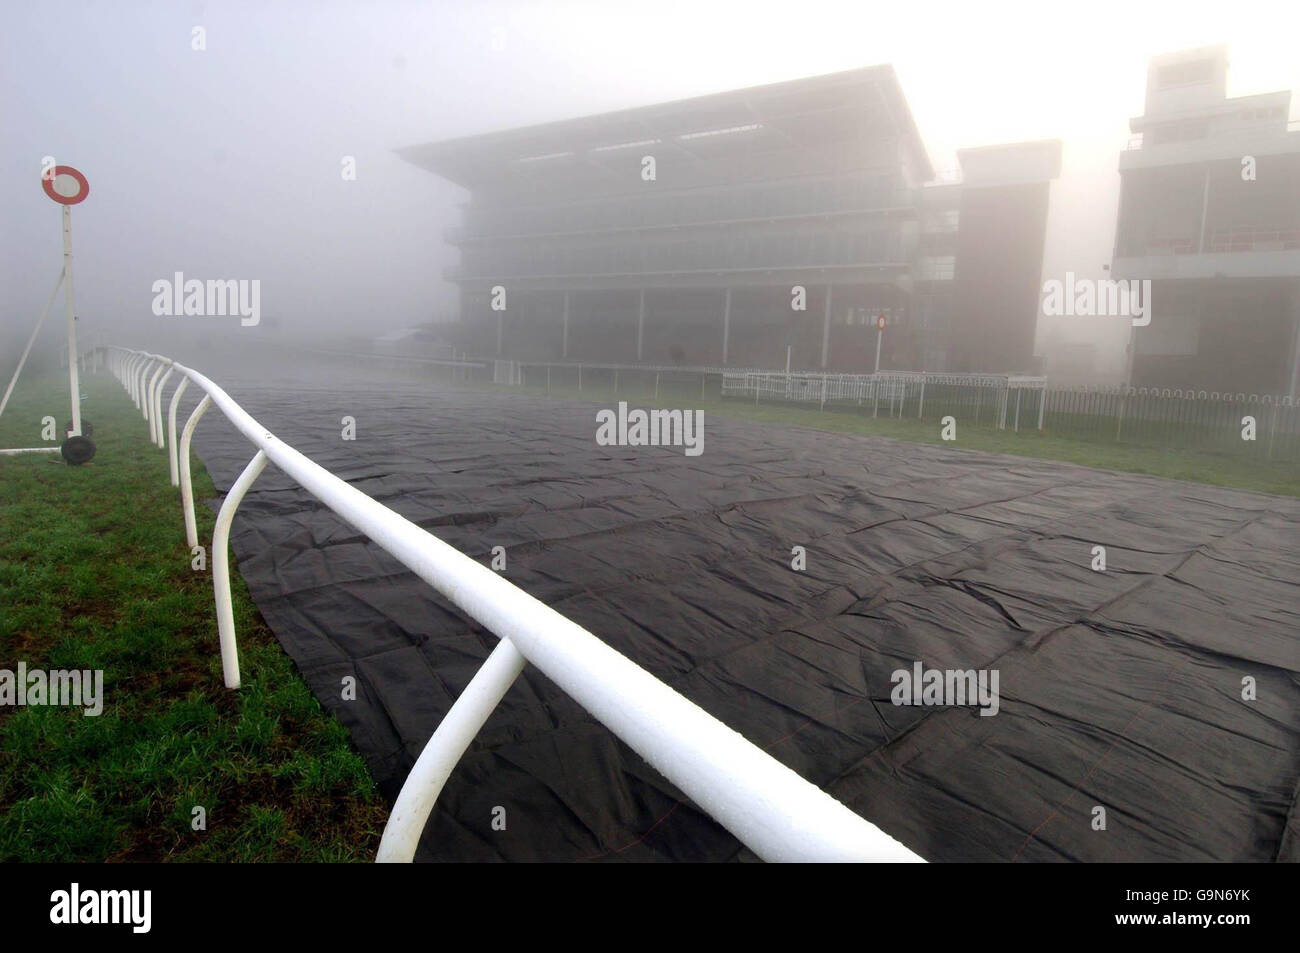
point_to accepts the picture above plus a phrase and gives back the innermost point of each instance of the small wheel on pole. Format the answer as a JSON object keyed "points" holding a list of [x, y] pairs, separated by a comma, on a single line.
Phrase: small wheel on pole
{"points": [[87, 429], [77, 450]]}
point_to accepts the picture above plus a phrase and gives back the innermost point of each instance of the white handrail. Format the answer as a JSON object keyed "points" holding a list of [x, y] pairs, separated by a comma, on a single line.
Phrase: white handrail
{"points": [[770, 808]]}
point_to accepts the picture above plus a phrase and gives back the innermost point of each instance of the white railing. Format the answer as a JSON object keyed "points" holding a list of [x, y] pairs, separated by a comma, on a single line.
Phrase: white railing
{"points": [[768, 807], [894, 388]]}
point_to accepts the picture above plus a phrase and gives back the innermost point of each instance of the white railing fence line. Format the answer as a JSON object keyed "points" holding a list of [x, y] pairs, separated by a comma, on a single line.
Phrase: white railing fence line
{"points": [[896, 388], [767, 806]]}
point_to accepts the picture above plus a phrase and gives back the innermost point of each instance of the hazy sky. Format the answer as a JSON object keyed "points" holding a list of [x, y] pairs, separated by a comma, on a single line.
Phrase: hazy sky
{"points": [[226, 162]]}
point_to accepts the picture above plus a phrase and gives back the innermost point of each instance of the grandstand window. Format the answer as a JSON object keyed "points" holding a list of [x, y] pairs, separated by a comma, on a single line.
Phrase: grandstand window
{"points": [[936, 268]]}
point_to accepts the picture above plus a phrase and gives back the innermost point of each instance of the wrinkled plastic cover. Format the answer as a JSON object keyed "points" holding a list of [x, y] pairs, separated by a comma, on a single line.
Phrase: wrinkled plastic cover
{"points": [[1119, 689]]}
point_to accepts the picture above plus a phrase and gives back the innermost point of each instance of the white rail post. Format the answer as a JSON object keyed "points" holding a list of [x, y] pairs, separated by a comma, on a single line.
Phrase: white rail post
{"points": [[136, 369], [146, 368], [221, 567], [444, 750], [157, 408], [141, 375], [171, 429], [187, 488], [147, 406], [148, 403], [146, 382]]}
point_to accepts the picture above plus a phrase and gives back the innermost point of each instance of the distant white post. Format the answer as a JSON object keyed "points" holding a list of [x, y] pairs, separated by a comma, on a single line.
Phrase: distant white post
{"points": [[826, 328], [880, 337], [564, 341], [726, 326], [640, 324]]}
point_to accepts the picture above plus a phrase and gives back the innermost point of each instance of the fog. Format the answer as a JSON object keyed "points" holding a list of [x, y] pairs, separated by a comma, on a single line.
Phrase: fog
{"points": [[225, 161]]}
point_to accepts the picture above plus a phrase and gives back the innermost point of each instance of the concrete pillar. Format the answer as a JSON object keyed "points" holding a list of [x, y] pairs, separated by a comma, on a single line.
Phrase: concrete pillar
{"points": [[564, 345], [640, 324], [826, 328], [726, 325]]}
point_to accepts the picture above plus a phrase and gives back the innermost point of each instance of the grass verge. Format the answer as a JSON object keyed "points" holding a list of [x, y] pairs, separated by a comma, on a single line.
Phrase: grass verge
{"points": [[94, 574]]}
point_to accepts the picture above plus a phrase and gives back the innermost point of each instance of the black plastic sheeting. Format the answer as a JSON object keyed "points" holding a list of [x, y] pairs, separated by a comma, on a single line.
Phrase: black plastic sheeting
{"points": [[1120, 689]]}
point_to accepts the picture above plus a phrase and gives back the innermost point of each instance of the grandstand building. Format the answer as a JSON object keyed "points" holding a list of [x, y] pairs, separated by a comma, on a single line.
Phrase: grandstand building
{"points": [[1210, 212], [679, 233]]}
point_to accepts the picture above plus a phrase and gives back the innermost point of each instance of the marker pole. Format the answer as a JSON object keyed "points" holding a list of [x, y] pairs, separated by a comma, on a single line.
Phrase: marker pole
{"points": [[74, 384]]}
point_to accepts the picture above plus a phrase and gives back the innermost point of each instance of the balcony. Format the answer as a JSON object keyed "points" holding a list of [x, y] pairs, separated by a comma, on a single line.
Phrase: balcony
{"points": [[1228, 145], [1245, 251], [681, 212], [1237, 239], [1135, 142], [1253, 238]]}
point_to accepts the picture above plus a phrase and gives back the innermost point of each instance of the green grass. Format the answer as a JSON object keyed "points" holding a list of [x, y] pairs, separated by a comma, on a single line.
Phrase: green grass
{"points": [[94, 574], [1197, 466]]}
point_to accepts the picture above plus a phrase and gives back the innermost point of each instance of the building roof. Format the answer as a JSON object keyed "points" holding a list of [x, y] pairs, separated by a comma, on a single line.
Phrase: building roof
{"points": [[865, 104], [1010, 163]]}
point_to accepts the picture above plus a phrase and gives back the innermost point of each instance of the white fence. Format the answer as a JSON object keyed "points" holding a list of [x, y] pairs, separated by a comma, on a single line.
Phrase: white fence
{"points": [[772, 810], [898, 392]]}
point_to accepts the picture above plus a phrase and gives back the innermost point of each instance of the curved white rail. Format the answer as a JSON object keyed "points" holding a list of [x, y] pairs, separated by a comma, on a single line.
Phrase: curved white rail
{"points": [[771, 809]]}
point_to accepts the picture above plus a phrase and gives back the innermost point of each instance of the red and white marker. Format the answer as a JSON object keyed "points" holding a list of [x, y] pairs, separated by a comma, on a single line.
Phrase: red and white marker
{"points": [[65, 185], [68, 187]]}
